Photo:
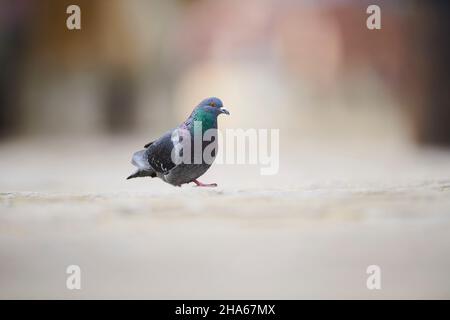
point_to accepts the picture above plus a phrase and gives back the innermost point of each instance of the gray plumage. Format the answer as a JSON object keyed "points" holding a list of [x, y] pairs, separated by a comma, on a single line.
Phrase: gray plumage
{"points": [[156, 159]]}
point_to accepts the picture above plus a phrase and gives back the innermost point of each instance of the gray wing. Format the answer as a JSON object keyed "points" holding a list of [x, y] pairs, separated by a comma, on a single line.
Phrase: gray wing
{"points": [[159, 154], [156, 156]]}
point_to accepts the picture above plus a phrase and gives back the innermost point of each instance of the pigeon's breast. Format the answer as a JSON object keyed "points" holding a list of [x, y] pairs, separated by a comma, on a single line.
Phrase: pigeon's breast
{"points": [[185, 173], [200, 161]]}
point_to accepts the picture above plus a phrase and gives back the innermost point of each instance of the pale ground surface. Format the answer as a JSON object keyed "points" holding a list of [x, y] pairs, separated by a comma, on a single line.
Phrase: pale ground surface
{"points": [[308, 232]]}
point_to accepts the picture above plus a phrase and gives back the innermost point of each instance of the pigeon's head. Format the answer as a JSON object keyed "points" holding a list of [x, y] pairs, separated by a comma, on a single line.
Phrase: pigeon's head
{"points": [[212, 105]]}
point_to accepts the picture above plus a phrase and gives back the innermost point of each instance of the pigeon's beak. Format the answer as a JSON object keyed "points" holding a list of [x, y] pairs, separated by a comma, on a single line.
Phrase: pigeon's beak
{"points": [[223, 110]]}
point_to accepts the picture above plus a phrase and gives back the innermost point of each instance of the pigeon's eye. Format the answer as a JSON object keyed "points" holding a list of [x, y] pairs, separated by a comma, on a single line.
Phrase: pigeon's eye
{"points": [[212, 104]]}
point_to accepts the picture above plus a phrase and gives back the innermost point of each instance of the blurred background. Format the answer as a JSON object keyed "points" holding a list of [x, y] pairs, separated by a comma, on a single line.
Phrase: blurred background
{"points": [[140, 66], [364, 121]]}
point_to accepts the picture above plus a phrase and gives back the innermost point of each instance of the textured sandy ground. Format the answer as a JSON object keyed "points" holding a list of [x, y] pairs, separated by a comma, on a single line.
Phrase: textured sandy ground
{"points": [[308, 232]]}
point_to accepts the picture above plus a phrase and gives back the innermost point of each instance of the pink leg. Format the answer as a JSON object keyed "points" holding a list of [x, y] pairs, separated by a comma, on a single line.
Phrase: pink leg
{"points": [[199, 184]]}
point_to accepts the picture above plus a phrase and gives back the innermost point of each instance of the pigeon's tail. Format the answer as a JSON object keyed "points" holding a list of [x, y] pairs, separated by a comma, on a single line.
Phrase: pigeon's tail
{"points": [[144, 169], [140, 160], [142, 173]]}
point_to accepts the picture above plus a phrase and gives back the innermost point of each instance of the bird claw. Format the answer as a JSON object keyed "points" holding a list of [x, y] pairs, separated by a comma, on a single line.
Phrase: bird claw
{"points": [[199, 184], [209, 185]]}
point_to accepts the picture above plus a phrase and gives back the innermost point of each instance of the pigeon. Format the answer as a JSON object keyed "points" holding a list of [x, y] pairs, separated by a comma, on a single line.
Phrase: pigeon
{"points": [[178, 157]]}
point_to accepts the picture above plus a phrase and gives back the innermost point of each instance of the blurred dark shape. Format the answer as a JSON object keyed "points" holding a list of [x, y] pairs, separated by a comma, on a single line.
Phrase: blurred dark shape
{"points": [[41, 60], [120, 98], [14, 31], [433, 118]]}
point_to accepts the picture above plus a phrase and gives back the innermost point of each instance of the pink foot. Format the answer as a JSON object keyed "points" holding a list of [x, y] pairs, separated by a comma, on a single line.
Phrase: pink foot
{"points": [[199, 184]]}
